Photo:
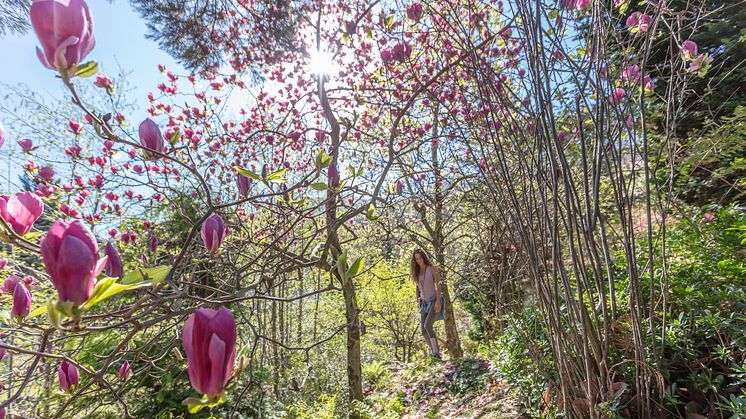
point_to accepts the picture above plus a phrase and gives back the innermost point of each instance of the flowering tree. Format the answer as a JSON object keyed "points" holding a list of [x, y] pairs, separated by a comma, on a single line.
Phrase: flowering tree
{"points": [[275, 168], [230, 192]]}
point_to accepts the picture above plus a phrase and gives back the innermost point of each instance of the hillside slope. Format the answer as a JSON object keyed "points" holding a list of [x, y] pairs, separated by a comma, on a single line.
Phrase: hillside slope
{"points": [[461, 389]]}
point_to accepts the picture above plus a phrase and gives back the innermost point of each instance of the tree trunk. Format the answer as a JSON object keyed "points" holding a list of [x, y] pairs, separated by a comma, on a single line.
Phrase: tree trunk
{"points": [[353, 341], [352, 312], [453, 343]]}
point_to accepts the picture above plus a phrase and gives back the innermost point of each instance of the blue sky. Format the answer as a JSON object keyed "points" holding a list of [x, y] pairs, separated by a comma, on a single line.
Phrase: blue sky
{"points": [[120, 46], [120, 42]]}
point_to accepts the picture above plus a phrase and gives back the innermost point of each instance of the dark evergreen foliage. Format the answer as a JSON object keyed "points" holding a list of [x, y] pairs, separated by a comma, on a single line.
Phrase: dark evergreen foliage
{"points": [[193, 30], [14, 17]]}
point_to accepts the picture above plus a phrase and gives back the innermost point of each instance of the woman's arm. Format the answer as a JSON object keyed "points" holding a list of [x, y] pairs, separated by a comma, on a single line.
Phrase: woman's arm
{"points": [[436, 279]]}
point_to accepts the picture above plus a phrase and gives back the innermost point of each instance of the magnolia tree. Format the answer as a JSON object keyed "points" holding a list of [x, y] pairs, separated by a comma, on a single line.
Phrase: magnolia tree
{"points": [[229, 190], [562, 148], [276, 188]]}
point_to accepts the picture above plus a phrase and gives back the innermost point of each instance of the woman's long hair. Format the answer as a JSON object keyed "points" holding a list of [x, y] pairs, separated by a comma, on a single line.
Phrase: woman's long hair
{"points": [[414, 268]]}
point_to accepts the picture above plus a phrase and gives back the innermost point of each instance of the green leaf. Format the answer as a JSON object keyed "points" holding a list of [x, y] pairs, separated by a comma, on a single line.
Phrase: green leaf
{"points": [[326, 160], [342, 264], [154, 275], [247, 173], [371, 214], [356, 268], [33, 235], [553, 14], [319, 158], [319, 186], [351, 170], [299, 203], [194, 404], [175, 137], [277, 176], [87, 69], [38, 311], [107, 288]]}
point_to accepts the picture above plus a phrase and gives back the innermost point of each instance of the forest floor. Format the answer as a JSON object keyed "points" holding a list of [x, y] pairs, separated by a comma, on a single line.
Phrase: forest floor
{"points": [[431, 389]]}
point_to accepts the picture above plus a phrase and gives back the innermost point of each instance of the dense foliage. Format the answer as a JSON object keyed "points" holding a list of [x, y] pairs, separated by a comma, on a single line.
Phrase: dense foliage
{"points": [[575, 170]]}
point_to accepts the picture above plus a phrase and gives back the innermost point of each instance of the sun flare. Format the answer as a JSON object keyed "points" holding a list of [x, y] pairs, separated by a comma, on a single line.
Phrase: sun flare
{"points": [[322, 62]]}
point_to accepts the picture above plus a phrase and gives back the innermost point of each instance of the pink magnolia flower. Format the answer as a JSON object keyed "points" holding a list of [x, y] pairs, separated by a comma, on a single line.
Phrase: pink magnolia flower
{"points": [[631, 74], [386, 56], [582, 4], [333, 175], [125, 371], [213, 232], [21, 301], [209, 340], [3, 263], [68, 375], [700, 62], [102, 80], [689, 49], [639, 22], [151, 139], [46, 173], [26, 145], [399, 186], [65, 31], [113, 267], [648, 84], [10, 283], [70, 255], [401, 51], [21, 211], [350, 27], [75, 127], [415, 11], [617, 95], [243, 183]]}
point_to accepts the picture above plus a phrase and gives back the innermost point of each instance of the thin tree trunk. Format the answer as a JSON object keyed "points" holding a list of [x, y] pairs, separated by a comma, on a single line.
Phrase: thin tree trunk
{"points": [[453, 343], [332, 225]]}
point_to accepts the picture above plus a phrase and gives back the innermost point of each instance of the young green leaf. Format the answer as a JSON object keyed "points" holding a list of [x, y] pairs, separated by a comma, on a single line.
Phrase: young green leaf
{"points": [[247, 173], [154, 275], [356, 268], [107, 288], [87, 69], [277, 176]]}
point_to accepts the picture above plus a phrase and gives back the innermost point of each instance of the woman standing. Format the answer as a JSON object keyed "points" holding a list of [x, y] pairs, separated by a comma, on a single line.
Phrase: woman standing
{"points": [[426, 277]]}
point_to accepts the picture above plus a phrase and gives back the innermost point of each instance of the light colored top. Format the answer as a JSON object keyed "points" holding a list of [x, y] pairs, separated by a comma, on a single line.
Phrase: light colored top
{"points": [[426, 285]]}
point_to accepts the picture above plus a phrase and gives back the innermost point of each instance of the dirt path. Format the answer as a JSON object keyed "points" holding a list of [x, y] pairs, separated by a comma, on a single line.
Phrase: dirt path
{"points": [[463, 389]]}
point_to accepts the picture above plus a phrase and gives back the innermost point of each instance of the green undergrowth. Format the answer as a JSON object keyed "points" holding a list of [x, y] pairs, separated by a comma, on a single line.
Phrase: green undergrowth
{"points": [[426, 389]]}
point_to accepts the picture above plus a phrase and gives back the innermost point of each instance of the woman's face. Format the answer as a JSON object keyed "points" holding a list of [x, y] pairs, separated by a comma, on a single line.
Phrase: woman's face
{"points": [[418, 258]]}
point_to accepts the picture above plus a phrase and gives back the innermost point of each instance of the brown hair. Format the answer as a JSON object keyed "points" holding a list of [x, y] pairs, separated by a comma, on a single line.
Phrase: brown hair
{"points": [[414, 268]]}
